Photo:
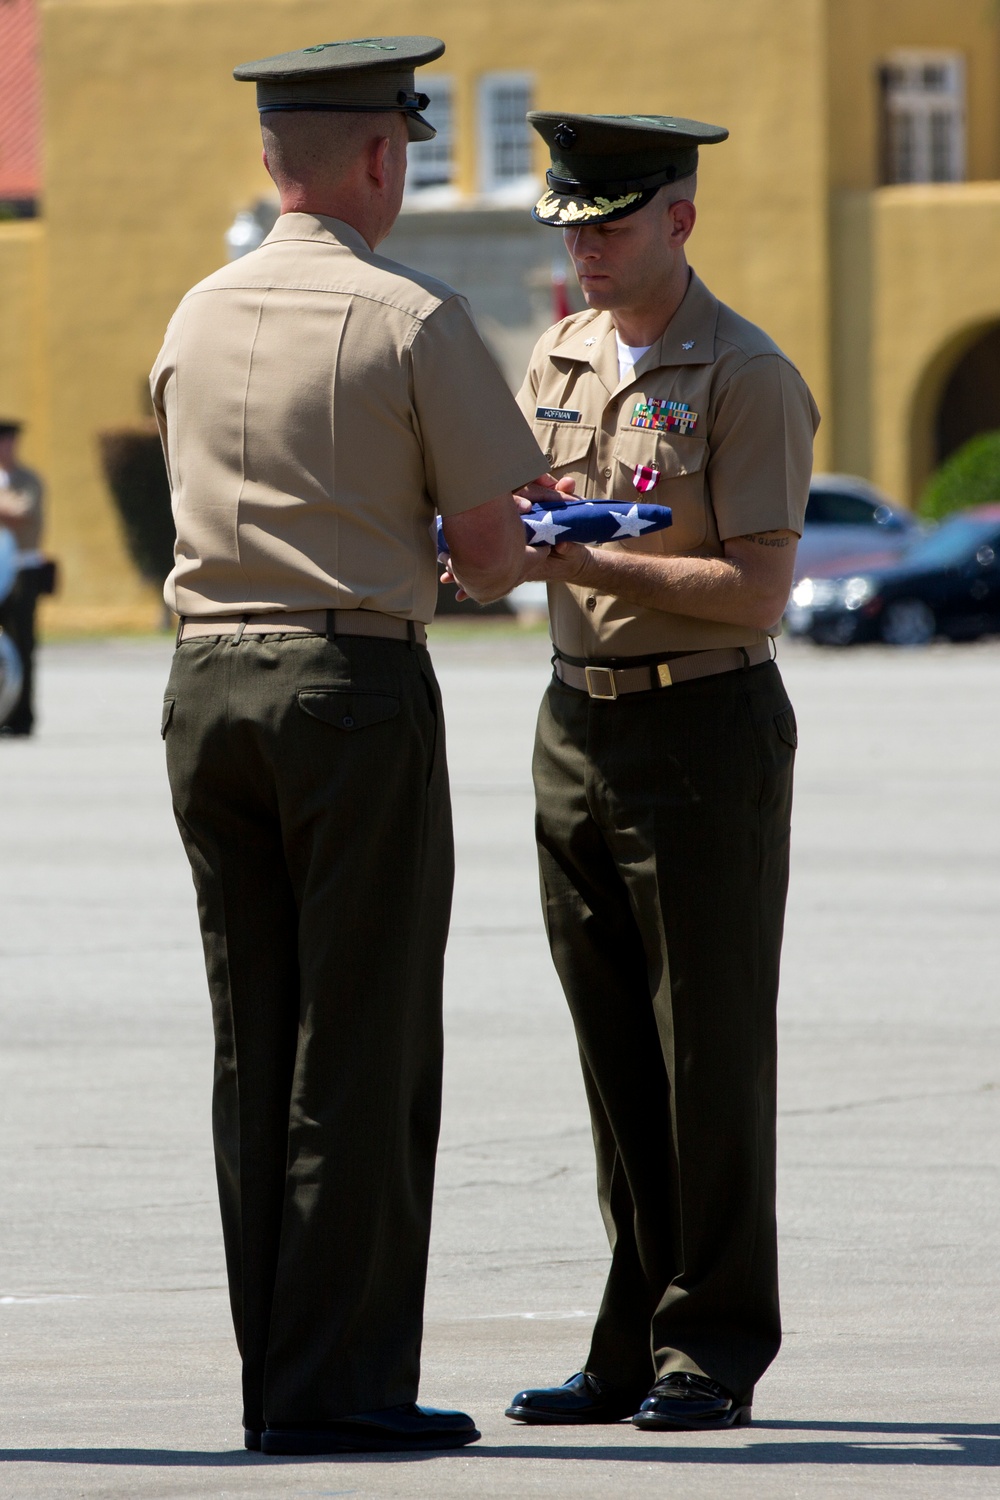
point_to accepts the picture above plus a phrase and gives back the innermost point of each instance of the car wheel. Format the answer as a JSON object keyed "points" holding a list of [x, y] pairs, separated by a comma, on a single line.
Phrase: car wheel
{"points": [[839, 630], [908, 622]]}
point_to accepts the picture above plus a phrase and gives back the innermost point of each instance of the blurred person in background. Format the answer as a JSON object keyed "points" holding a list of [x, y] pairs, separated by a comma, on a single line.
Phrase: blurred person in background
{"points": [[663, 772], [317, 403], [21, 497]]}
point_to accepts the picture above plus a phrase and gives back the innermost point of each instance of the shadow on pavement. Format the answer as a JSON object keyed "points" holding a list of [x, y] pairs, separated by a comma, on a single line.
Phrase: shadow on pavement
{"points": [[931, 1444], [181, 1458]]}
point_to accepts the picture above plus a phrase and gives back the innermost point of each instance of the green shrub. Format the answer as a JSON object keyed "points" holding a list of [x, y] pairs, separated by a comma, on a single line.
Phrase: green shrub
{"points": [[971, 476]]}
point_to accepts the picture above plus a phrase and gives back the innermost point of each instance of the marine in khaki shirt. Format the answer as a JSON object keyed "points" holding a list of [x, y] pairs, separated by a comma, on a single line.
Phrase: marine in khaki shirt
{"points": [[663, 773], [318, 403], [714, 421]]}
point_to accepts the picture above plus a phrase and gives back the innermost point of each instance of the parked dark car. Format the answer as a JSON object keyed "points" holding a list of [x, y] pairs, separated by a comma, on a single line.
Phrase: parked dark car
{"points": [[948, 583], [850, 524]]}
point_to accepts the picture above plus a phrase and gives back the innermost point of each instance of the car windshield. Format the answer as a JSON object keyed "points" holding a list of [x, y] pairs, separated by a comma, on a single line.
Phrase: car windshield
{"points": [[838, 508], [953, 541]]}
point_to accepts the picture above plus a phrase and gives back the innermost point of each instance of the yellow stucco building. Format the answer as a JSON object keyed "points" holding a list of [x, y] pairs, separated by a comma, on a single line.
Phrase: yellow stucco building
{"points": [[854, 213]]}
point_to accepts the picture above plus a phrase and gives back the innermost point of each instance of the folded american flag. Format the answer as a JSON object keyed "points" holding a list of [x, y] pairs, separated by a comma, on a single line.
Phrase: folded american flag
{"points": [[583, 521]]}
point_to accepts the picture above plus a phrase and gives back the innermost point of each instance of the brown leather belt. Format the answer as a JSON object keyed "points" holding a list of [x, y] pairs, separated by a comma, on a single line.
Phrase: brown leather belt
{"points": [[306, 622], [611, 682]]}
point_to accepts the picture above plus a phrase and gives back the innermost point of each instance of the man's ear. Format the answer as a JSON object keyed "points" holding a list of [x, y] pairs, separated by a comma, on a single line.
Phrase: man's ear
{"points": [[376, 160], [263, 157], [682, 220]]}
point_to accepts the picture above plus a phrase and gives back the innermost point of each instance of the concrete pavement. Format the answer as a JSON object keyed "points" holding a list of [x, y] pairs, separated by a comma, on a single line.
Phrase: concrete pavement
{"points": [[120, 1376]]}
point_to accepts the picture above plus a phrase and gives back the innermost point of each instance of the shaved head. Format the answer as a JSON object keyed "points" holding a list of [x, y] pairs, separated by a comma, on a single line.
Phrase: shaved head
{"points": [[347, 165], [682, 191], [309, 148]]}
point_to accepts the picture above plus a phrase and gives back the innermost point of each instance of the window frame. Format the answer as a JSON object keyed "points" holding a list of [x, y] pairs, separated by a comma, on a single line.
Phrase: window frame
{"points": [[914, 106], [444, 84], [490, 185]]}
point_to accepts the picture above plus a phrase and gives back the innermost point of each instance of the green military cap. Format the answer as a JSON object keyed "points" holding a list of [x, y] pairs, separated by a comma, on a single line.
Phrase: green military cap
{"points": [[365, 76], [605, 167]]}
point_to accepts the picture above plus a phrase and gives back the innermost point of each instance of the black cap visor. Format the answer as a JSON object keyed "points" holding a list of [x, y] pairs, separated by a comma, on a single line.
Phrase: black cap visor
{"points": [[568, 203]]}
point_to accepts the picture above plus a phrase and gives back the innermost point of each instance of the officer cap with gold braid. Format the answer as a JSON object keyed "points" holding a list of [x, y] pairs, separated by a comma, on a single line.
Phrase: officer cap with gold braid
{"points": [[366, 76], [605, 167]]}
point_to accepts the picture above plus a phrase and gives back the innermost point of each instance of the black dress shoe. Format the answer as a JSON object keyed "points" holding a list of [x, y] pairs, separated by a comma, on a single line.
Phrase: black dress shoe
{"points": [[251, 1439], [394, 1429], [584, 1398], [688, 1403]]}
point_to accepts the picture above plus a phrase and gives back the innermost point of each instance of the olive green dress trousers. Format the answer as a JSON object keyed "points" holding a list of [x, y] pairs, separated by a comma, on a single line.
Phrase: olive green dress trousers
{"points": [[310, 788], [663, 833]]}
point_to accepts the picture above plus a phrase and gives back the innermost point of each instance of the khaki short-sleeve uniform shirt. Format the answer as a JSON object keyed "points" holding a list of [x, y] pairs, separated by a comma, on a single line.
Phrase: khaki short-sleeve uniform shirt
{"points": [[317, 404], [719, 420]]}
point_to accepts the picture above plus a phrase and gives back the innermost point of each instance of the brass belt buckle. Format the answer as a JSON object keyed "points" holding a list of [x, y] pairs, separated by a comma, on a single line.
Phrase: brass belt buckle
{"points": [[663, 674], [603, 676]]}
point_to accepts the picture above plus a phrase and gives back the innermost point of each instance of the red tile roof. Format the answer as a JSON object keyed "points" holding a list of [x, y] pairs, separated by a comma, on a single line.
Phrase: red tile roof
{"points": [[19, 100]]}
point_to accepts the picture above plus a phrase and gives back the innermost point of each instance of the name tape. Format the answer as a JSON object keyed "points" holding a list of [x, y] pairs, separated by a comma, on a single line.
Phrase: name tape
{"points": [[556, 414]]}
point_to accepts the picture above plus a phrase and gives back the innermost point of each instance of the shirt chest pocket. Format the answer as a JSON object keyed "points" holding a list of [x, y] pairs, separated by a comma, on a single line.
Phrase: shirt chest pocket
{"points": [[680, 464], [567, 447]]}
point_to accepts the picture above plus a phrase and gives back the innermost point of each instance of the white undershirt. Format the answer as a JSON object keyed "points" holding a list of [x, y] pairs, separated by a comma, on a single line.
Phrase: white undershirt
{"points": [[629, 356]]}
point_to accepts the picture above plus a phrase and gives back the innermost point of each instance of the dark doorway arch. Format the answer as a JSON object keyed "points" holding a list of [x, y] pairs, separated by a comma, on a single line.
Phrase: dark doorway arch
{"points": [[970, 397]]}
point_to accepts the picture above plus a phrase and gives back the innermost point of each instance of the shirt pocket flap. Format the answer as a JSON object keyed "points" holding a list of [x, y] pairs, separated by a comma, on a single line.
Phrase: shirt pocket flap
{"points": [[348, 708], [564, 442], [674, 456]]}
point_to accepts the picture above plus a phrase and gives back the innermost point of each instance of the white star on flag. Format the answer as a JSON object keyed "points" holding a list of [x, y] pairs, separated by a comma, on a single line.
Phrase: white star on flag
{"points": [[629, 524], [546, 529]]}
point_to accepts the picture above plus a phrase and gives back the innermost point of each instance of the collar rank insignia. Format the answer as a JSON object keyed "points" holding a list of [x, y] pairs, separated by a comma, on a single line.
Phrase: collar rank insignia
{"points": [[665, 416], [646, 477]]}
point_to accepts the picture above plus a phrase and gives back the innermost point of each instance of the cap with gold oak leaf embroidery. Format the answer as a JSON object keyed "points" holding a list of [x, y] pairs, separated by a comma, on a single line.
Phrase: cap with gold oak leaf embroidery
{"points": [[605, 167]]}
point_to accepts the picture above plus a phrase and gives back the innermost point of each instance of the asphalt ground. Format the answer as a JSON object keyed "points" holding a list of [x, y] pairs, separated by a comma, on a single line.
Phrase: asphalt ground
{"points": [[119, 1371]]}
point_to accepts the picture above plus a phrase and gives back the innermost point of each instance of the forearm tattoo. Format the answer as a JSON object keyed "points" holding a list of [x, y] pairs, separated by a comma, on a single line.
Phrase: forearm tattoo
{"points": [[767, 539]]}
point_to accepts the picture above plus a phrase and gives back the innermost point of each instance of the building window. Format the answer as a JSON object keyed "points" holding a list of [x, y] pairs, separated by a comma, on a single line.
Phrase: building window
{"points": [[506, 146], [430, 164], [923, 117]]}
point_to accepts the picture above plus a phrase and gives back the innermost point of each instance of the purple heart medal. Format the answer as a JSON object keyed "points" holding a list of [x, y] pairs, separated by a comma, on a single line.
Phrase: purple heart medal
{"points": [[646, 478]]}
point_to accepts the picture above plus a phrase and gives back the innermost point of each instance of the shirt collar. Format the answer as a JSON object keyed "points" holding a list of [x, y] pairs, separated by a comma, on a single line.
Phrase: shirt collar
{"points": [[318, 227], [688, 339], [593, 344]]}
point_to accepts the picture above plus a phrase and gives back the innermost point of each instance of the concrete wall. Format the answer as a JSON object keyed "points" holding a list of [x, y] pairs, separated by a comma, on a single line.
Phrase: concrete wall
{"points": [[859, 35], [502, 261], [23, 364], [917, 280], [913, 268], [152, 149]]}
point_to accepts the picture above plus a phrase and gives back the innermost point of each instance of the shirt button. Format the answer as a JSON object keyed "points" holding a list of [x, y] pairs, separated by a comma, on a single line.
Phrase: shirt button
{"points": [[591, 602], [606, 473], [347, 721]]}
